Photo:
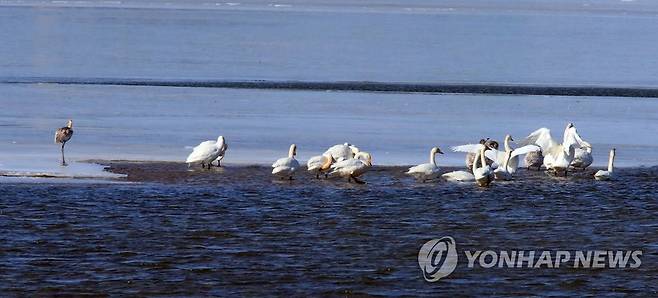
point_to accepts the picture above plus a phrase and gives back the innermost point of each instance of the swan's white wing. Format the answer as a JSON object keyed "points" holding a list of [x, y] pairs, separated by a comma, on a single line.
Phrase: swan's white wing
{"points": [[339, 152], [468, 148], [458, 176], [346, 164], [541, 137], [286, 167], [202, 152], [204, 144], [580, 140], [495, 155], [571, 138], [316, 162], [426, 168], [524, 150], [284, 161]]}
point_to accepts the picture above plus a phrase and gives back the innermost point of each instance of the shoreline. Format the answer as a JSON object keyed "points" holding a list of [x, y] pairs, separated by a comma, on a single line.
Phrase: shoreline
{"points": [[115, 171]]}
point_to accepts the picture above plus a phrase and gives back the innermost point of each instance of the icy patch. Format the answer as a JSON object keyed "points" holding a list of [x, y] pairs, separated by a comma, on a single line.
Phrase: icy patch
{"points": [[26, 166]]}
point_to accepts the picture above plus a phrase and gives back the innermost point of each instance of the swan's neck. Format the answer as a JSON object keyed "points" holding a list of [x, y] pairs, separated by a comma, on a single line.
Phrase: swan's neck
{"points": [[508, 155], [476, 160], [291, 152], [566, 135], [508, 148], [483, 159], [611, 161], [433, 157]]}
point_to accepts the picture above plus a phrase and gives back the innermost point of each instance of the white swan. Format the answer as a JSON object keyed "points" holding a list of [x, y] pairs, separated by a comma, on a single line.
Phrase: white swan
{"points": [[582, 157], [319, 164], [483, 173], [458, 176], [426, 171], [287, 166], [510, 157], [465, 176], [472, 149], [207, 152], [557, 157], [607, 175], [342, 151], [354, 167], [502, 172]]}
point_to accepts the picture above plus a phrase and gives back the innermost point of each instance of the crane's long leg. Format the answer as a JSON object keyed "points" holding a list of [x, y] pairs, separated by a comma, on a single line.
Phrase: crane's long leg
{"points": [[63, 160]]}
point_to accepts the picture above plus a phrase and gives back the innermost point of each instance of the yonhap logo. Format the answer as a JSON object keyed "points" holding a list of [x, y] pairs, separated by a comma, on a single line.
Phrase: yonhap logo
{"points": [[438, 258]]}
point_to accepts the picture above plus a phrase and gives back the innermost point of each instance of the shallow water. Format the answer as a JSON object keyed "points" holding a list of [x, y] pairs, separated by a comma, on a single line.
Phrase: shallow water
{"points": [[235, 230]]}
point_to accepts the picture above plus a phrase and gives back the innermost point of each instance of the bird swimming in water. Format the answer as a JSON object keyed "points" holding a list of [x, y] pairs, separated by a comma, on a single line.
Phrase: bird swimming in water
{"points": [[426, 171], [63, 135], [607, 175]]}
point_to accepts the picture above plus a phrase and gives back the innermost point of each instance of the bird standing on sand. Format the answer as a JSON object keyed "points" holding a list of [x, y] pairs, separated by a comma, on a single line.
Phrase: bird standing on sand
{"points": [[287, 166], [62, 135], [207, 152], [353, 167]]}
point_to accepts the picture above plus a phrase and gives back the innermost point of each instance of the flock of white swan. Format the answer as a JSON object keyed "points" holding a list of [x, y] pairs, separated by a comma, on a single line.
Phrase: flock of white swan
{"points": [[484, 161]]}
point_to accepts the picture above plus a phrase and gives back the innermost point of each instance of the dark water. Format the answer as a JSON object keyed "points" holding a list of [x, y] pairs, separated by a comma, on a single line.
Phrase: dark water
{"points": [[170, 231]]}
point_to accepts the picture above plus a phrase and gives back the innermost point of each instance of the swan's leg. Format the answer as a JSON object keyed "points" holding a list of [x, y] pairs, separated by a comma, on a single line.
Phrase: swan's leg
{"points": [[317, 176]]}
